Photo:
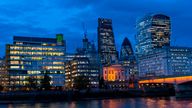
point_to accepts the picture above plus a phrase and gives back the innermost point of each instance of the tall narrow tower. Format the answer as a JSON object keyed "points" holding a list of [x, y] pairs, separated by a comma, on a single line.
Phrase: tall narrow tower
{"points": [[106, 42]]}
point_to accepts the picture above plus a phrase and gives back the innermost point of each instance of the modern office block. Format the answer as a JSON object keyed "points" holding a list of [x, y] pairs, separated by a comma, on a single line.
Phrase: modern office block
{"points": [[168, 61], [35, 56]]}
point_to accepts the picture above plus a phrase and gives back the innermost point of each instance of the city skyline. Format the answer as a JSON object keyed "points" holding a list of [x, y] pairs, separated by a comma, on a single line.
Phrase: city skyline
{"points": [[20, 18]]}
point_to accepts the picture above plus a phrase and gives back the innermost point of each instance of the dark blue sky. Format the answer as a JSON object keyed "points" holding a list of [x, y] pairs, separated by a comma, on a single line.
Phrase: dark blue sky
{"points": [[45, 18]]}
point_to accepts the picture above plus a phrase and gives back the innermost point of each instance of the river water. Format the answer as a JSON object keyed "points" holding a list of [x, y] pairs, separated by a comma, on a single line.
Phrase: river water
{"points": [[171, 102]]}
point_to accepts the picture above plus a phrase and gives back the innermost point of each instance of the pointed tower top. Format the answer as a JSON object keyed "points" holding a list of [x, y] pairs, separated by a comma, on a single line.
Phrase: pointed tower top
{"points": [[126, 42]]}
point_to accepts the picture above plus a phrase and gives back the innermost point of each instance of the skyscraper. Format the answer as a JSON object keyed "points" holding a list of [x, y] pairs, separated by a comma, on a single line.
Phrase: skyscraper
{"points": [[126, 49], [127, 58], [153, 31], [35, 56], [106, 42]]}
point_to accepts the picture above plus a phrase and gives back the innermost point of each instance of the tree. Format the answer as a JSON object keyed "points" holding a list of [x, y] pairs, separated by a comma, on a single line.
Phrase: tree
{"points": [[81, 82], [45, 82], [101, 83], [1, 87], [32, 83]]}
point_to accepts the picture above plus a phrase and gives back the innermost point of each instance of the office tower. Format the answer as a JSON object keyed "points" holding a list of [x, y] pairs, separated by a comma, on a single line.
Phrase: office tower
{"points": [[32, 57], [127, 58], [106, 42], [85, 63], [81, 66], [168, 61], [153, 31]]}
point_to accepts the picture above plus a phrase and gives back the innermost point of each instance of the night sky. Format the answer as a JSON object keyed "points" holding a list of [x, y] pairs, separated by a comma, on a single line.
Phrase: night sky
{"points": [[45, 18]]}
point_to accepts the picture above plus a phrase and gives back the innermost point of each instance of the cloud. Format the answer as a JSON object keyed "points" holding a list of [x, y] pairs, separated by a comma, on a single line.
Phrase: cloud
{"points": [[47, 17]]}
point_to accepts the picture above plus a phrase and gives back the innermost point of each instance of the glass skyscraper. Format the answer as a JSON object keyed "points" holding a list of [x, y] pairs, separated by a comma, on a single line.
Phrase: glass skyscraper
{"points": [[106, 42], [127, 58], [153, 31], [33, 57]]}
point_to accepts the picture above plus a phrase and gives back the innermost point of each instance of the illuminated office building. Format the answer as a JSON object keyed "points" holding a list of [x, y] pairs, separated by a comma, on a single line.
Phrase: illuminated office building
{"points": [[35, 56], [153, 31], [84, 62], [81, 66], [106, 42], [168, 61]]}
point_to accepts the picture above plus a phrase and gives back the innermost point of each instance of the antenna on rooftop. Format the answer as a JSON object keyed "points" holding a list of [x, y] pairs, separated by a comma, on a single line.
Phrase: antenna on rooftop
{"points": [[84, 30]]}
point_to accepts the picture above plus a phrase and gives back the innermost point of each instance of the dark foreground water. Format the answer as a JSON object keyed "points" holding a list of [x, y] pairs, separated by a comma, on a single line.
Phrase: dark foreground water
{"points": [[105, 103]]}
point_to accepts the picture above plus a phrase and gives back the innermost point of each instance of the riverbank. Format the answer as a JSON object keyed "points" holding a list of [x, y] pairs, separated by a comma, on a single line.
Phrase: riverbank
{"points": [[83, 94]]}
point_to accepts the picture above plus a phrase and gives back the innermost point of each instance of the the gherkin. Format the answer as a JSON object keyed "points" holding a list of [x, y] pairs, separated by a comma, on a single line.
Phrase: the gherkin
{"points": [[127, 58]]}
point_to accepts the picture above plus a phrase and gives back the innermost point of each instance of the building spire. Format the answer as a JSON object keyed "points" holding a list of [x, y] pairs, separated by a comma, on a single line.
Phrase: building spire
{"points": [[84, 30]]}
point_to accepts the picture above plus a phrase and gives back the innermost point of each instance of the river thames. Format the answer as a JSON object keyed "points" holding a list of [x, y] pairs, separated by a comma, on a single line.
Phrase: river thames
{"points": [[171, 102]]}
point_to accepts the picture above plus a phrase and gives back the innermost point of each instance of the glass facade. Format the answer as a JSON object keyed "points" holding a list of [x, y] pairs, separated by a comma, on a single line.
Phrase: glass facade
{"points": [[153, 31], [106, 42], [127, 58], [33, 57], [170, 61]]}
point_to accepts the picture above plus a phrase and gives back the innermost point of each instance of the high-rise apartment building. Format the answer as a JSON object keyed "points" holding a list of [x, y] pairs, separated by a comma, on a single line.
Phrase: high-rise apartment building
{"points": [[153, 31], [106, 42], [35, 56]]}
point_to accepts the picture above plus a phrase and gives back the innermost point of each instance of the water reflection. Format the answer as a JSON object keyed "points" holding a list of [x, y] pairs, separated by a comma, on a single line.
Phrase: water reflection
{"points": [[105, 103]]}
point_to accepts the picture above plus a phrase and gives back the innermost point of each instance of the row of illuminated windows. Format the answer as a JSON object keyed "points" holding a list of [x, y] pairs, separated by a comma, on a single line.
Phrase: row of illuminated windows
{"points": [[38, 53], [186, 50], [86, 74], [35, 58], [25, 82], [45, 67], [53, 67], [83, 62], [33, 48], [21, 62], [58, 63], [51, 72], [14, 67], [82, 70], [25, 77]]}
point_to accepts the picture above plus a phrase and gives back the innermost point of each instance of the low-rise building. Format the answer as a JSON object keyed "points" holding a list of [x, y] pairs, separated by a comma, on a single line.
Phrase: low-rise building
{"points": [[3, 73], [116, 77], [81, 66]]}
